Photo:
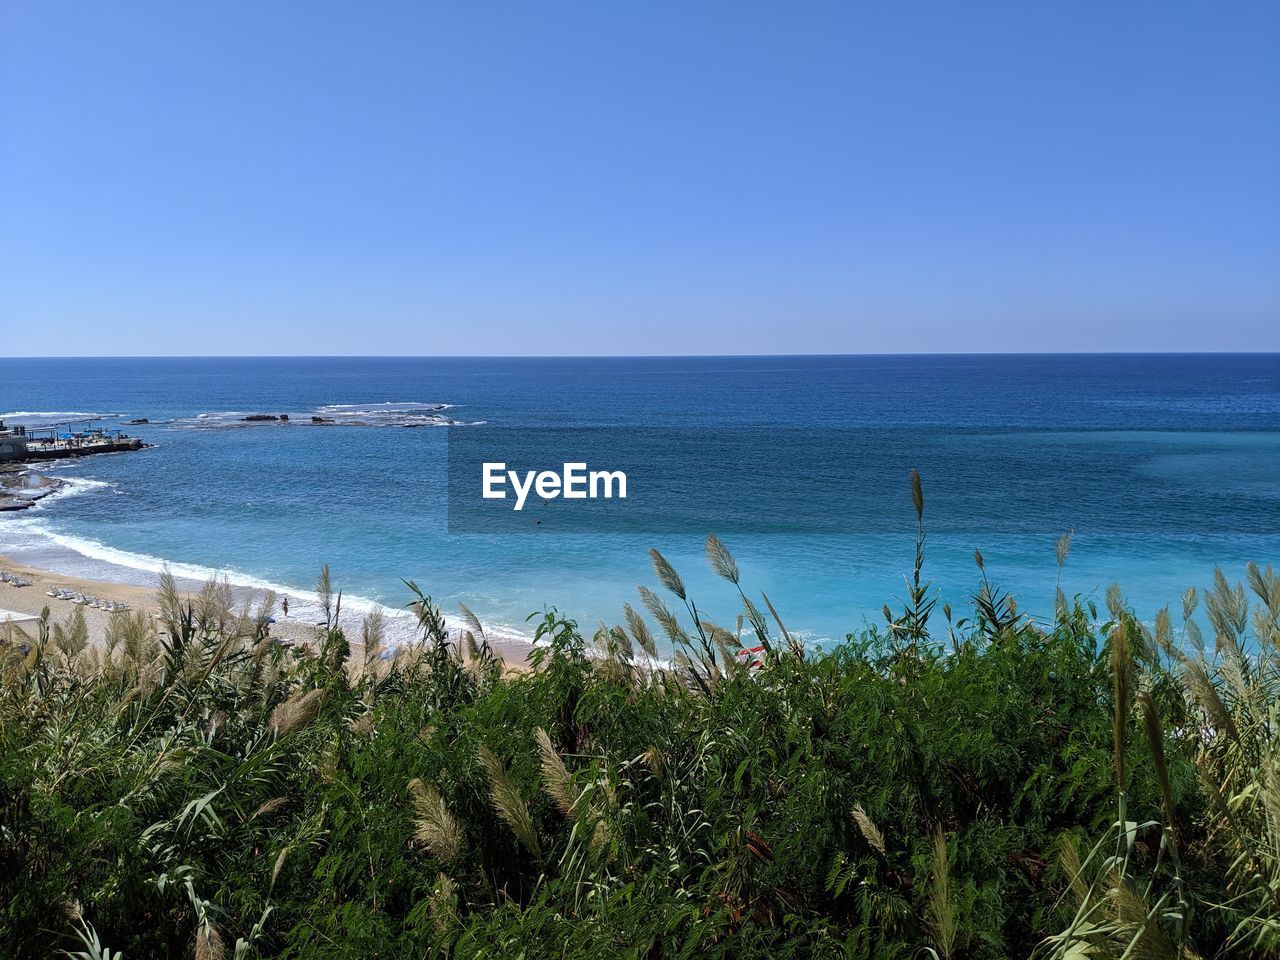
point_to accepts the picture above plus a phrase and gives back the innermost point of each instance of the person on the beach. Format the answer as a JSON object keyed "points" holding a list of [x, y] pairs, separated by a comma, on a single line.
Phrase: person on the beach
{"points": [[284, 606]]}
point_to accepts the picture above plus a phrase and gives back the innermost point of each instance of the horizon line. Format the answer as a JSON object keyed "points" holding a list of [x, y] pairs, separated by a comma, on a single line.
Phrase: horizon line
{"points": [[647, 356]]}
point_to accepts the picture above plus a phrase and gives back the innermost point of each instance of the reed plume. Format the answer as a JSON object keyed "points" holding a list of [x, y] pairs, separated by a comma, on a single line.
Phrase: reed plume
{"points": [[943, 917], [662, 613], [721, 560], [209, 945], [639, 630], [508, 803], [870, 832], [471, 620], [667, 575], [555, 776], [296, 712], [1121, 683], [434, 825]]}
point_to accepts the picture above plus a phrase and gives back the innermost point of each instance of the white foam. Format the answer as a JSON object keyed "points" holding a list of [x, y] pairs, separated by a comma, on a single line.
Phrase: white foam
{"points": [[390, 414], [31, 534], [393, 413], [71, 486], [27, 534], [210, 419], [44, 415], [389, 407]]}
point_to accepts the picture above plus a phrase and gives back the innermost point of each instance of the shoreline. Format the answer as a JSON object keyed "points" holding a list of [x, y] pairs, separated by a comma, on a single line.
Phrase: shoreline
{"points": [[298, 627], [24, 487]]}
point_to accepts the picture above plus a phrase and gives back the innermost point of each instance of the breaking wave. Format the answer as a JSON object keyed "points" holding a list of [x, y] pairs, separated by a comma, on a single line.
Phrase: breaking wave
{"points": [[33, 541], [29, 418], [30, 539], [391, 407], [389, 414], [70, 487]]}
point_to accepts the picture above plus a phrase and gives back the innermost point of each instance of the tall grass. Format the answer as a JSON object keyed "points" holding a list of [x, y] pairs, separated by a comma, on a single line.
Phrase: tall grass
{"points": [[1100, 787]]}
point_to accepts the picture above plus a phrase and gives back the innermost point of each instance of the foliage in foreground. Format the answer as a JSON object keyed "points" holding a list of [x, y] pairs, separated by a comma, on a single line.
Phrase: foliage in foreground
{"points": [[1093, 788]]}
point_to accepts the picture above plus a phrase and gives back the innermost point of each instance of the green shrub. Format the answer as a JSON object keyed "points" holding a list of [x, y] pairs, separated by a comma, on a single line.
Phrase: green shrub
{"points": [[209, 791]]}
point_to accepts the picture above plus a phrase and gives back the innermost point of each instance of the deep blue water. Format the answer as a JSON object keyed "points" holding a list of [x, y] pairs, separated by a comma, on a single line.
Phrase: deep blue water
{"points": [[1164, 465]]}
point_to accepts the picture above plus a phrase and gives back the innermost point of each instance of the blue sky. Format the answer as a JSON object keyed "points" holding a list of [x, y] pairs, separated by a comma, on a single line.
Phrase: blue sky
{"points": [[595, 178]]}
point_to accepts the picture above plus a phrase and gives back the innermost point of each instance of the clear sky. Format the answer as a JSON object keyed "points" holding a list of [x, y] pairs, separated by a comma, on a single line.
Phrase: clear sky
{"points": [[642, 178]]}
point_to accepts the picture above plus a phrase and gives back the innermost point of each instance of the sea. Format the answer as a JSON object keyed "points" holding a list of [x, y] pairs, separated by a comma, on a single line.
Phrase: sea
{"points": [[1161, 467]]}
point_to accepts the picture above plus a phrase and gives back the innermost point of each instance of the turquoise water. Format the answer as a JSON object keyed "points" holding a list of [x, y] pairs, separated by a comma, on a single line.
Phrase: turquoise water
{"points": [[1162, 465]]}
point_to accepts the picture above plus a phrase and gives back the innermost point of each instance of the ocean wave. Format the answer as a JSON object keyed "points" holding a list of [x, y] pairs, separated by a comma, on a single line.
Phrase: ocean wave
{"points": [[500, 632], [393, 413], [390, 414], [38, 529], [72, 486], [210, 419], [34, 417], [388, 408], [510, 633], [32, 539]]}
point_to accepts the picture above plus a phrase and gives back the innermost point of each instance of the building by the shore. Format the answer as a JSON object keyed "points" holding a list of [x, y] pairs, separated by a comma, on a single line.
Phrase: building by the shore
{"points": [[69, 438], [13, 443]]}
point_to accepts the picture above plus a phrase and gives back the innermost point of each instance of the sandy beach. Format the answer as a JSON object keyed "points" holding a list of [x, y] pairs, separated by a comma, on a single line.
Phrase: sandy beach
{"points": [[31, 600]]}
